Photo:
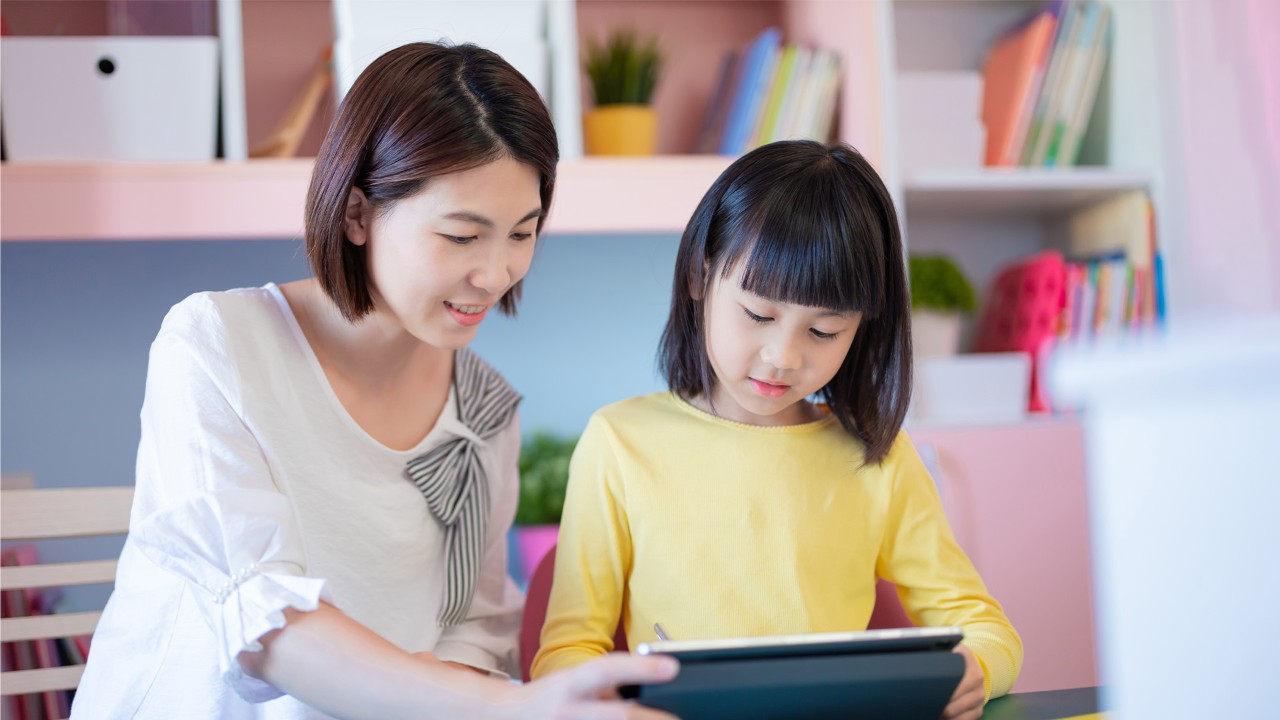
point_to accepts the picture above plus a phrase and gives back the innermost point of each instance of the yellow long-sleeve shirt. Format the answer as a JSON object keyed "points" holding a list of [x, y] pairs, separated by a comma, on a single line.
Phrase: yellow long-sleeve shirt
{"points": [[718, 529]]}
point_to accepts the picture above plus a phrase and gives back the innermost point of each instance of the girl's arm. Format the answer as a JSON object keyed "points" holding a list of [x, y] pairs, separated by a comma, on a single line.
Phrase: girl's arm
{"points": [[341, 668], [592, 556], [936, 580]]}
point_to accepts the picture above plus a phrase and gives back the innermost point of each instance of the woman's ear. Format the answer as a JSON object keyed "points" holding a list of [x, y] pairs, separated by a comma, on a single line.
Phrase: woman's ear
{"points": [[357, 217]]}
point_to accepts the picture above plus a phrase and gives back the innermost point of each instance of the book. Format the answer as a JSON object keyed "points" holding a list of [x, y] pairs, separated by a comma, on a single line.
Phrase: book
{"points": [[1072, 85], [757, 67], [1037, 141], [21, 654], [773, 101], [828, 94], [1021, 130], [1008, 77], [788, 110], [713, 121], [1119, 224], [1079, 121]]}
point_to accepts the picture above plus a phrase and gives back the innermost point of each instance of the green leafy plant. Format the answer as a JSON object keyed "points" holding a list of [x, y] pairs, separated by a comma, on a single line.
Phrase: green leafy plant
{"points": [[937, 283], [544, 475], [624, 70]]}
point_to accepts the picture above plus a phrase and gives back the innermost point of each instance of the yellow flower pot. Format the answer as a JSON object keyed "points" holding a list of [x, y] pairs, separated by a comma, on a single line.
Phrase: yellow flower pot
{"points": [[621, 130]]}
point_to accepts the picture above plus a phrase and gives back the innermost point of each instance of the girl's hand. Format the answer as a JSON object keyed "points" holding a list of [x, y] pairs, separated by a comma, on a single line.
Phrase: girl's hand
{"points": [[430, 657], [966, 702], [590, 691]]}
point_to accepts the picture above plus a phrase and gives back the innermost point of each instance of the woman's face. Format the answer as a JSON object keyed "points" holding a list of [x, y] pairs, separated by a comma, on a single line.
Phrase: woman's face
{"points": [[440, 260]]}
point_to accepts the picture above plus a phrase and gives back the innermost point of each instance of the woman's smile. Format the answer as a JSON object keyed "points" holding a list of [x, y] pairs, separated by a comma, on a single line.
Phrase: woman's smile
{"points": [[467, 315]]}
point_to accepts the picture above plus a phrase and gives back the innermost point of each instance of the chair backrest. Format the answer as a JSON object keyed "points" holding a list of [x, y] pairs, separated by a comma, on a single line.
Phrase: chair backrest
{"points": [[60, 513], [888, 612], [535, 613]]}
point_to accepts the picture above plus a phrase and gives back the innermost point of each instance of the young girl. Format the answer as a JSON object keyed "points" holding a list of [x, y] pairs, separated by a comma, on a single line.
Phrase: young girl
{"points": [[326, 475], [735, 506]]}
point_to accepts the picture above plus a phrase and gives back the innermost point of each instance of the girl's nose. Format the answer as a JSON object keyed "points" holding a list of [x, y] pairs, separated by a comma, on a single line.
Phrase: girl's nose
{"points": [[781, 355]]}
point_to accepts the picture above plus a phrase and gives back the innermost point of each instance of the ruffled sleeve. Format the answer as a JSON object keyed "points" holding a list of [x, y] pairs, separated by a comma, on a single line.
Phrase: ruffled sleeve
{"points": [[206, 507], [241, 559]]}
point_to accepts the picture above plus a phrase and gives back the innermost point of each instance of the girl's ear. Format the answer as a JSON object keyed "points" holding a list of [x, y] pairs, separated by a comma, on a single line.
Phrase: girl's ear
{"points": [[357, 217]]}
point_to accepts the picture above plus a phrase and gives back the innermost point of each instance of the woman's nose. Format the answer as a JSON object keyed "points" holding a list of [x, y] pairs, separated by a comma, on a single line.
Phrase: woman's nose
{"points": [[494, 273]]}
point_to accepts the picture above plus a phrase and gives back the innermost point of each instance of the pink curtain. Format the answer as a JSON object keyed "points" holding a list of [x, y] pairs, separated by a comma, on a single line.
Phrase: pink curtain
{"points": [[1229, 76]]}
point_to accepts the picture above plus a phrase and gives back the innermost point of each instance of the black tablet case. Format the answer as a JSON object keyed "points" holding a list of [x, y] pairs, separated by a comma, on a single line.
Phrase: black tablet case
{"points": [[883, 686]]}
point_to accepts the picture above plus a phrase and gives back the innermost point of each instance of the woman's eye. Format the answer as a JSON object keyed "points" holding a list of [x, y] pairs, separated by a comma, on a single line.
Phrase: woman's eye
{"points": [[755, 317], [822, 335], [460, 239], [521, 237]]}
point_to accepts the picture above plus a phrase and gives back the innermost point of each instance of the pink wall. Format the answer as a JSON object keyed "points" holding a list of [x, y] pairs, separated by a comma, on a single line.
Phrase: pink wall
{"points": [[1229, 72], [1016, 499]]}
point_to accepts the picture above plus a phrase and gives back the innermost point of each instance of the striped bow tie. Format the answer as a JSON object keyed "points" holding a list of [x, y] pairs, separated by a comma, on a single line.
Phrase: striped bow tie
{"points": [[453, 481]]}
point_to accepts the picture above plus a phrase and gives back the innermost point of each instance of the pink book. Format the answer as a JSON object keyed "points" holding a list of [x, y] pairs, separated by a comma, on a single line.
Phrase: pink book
{"points": [[1008, 93]]}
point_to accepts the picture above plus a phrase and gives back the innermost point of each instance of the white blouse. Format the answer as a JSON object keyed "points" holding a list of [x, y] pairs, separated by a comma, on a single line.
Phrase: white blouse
{"points": [[257, 491]]}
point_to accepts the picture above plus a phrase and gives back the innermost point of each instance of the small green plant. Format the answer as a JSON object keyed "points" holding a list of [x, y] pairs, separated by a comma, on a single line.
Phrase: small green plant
{"points": [[624, 70], [544, 475], [937, 283]]}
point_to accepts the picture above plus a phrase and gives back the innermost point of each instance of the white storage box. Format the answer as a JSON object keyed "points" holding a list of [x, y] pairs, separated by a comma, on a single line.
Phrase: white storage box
{"points": [[94, 99], [977, 388], [940, 121]]}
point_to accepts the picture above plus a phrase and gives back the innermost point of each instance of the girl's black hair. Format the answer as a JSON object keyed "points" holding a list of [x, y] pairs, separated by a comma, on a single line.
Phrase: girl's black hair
{"points": [[814, 226]]}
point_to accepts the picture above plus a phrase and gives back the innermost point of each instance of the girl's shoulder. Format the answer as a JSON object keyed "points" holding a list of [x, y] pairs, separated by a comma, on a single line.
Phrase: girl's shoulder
{"points": [[638, 410]]}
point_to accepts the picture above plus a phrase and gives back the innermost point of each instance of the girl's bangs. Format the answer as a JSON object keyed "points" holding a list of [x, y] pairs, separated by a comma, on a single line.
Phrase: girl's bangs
{"points": [[804, 256]]}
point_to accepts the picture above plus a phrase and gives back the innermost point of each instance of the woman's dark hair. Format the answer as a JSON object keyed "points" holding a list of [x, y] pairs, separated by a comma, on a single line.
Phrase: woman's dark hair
{"points": [[813, 225], [418, 112]]}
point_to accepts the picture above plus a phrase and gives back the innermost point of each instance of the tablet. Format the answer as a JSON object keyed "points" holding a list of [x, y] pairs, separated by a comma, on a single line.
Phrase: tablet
{"points": [[810, 644], [900, 674]]}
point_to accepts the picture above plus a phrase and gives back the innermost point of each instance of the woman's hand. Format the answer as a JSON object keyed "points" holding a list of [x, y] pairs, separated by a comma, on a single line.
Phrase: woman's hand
{"points": [[590, 691], [966, 702]]}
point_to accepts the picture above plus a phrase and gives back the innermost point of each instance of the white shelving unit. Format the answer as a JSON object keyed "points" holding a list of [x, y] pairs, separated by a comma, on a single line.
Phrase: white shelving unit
{"points": [[987, 217]]}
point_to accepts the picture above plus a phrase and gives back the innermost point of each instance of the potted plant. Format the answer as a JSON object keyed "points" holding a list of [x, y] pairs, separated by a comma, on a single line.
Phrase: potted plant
{"points": [[623, 73], [940, 297], [544, 476]]}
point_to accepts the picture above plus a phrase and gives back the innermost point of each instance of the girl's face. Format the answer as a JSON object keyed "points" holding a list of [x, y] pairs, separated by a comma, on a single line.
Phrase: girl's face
{"points": [[769, 356], [440, 260]]}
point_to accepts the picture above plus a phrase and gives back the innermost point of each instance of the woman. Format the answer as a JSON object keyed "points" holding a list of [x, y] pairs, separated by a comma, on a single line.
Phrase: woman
{"points": [[326, 475]]}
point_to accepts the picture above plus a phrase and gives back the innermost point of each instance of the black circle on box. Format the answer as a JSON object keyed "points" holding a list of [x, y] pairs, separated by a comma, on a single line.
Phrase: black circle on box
{"points": [[106, 65]]}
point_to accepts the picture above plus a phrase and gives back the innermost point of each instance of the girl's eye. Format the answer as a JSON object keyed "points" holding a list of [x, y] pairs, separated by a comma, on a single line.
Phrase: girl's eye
{"points": [[822, 335], [521, 237], [755, 317], [460, 240]]}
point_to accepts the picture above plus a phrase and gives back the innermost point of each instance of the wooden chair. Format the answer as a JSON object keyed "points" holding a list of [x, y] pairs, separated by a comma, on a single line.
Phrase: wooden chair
{"points": [[61, 513]]}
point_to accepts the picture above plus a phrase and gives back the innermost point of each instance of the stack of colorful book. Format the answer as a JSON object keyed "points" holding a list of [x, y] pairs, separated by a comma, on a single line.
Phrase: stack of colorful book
{"points": [[35, 654], [1114, 280], [1041, 82], [769, 92]]}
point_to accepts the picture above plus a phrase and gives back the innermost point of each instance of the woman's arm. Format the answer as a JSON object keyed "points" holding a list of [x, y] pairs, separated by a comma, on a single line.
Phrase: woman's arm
{"points": [[338, 666]]}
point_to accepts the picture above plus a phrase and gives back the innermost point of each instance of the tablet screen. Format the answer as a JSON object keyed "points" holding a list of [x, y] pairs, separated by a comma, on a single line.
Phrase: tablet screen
{"points": [[836, 643]]}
